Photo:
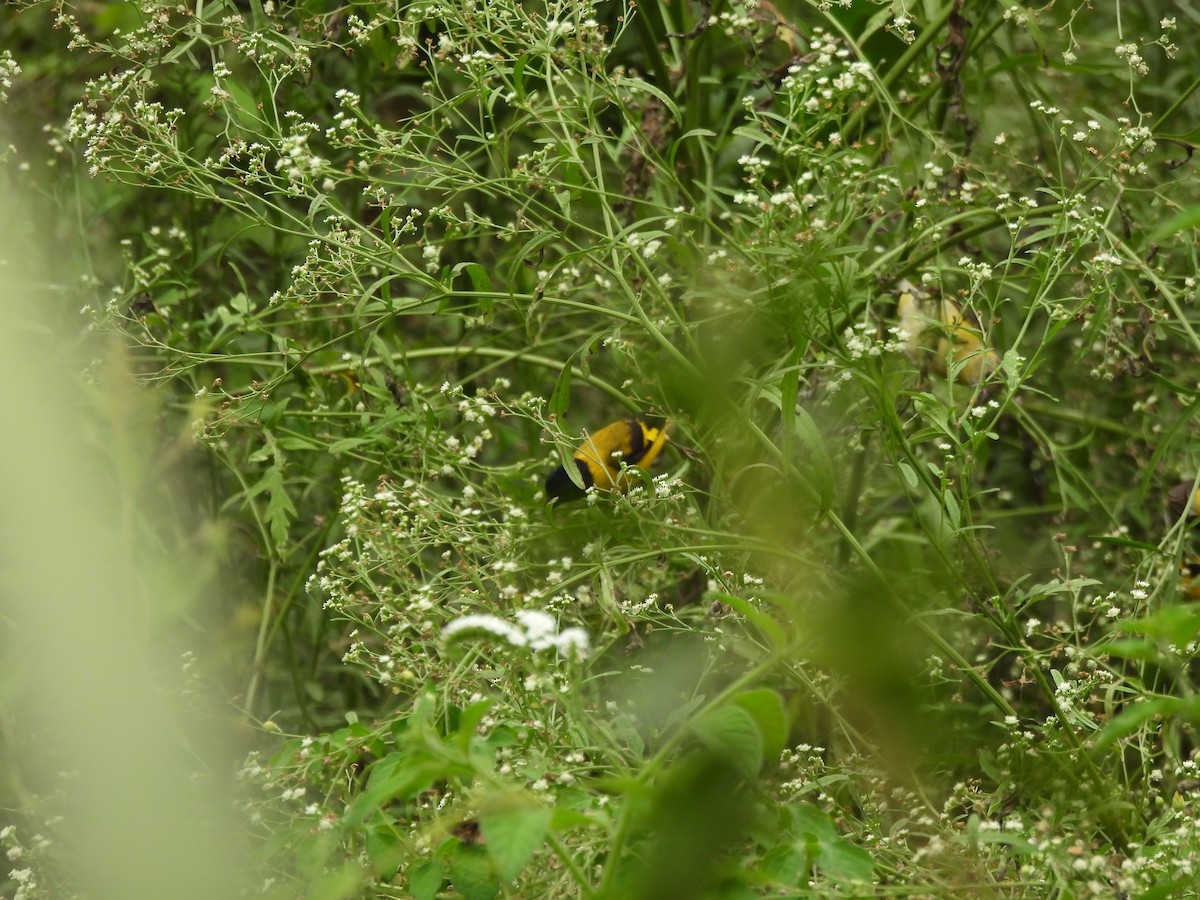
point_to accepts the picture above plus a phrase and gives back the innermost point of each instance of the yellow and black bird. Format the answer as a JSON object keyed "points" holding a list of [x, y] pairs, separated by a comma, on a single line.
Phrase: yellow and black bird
{"points": [[943, 336], [636, 441]]}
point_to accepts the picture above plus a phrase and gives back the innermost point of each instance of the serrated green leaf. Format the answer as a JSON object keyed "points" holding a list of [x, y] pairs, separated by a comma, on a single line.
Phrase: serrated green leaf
{"points": [[843, 861], [471, 873], [514, 828], [384, 850], [425, 879], [280, 511], [732, 734]]}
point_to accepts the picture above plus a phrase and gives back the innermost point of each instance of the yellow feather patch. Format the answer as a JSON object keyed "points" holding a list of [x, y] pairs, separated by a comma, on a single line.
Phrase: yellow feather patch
{"points": [[943, 337], [601, 457], [1189, 577]]}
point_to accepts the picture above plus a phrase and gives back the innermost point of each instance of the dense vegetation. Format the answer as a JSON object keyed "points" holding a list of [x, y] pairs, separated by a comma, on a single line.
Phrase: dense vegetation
{"points": [[881, 619]]}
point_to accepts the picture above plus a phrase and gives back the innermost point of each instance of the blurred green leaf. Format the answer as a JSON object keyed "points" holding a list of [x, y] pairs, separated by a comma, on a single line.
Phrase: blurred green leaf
{"points": [[1138, 713], [835, 855], [766, 707], [514, 828], [1178, 625], [732, 734], [471, 873], [425, 879], [396, 776]]}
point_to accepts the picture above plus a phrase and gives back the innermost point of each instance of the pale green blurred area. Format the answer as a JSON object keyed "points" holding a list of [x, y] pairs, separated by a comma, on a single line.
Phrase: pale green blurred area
{"points": [[96, 585]]}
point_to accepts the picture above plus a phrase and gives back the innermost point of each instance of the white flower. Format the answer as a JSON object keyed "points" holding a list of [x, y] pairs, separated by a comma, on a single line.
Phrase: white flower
{"points": [[535, 629], [540, 628], [486, 623], [573, 641]]}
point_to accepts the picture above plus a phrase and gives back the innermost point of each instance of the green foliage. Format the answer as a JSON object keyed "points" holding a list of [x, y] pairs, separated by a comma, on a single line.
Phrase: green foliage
{"points": [[867, 628]]}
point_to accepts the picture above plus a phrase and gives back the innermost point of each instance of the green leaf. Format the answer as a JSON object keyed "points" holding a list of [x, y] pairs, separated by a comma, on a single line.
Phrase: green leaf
{"points": [[1182, 221], [732, 734], [472, 874], [1008, 839], [564, 819], [816, 463], [394, 776], [807, 819], [1176, 625], [1133, 717], [518, 75], [515, 828], [1129, 648], [384, 850], [469, 721], [563, 198], [300, 442], [843, 861], [480, 283], [1166, 890], [953, 511], [426, 879], [667, 100], [836, 857], [280, 511], [339, 884], [771, 629], [349, 443], [1059, 586], [560, 397], [242, 105], [789, 392], [680, 712], [788, 864], [766, 707]]}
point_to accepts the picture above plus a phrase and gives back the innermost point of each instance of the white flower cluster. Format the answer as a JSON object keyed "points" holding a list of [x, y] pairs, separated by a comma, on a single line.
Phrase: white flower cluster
{"points": [[9, 70], [534, 629]]}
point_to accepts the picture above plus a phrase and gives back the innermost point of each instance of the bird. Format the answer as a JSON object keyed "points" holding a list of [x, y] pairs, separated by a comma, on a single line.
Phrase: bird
{"points": [[1183, 499], [944, 336], [1183, 502], [636, 441], [1189, 577]]}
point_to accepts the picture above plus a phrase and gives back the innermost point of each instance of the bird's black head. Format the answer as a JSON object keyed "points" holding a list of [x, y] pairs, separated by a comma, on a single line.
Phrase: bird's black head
{"points": [[560, 486]]}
